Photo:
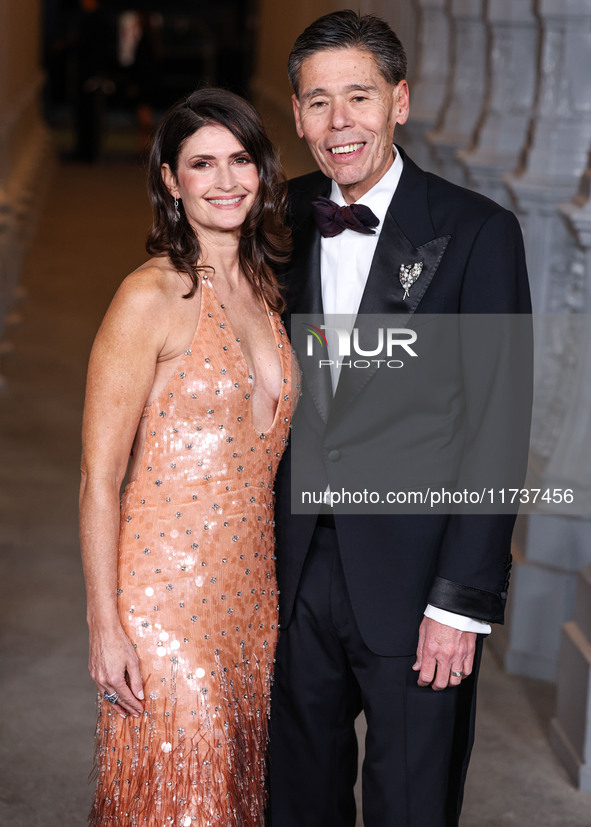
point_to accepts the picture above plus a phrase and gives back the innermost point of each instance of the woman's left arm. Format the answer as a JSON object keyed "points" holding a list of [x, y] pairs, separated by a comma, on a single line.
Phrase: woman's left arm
{"points": [[120, 375]]}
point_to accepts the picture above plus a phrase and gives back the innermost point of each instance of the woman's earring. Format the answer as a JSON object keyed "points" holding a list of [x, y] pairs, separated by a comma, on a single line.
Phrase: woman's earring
{"points": [[177, 214]]}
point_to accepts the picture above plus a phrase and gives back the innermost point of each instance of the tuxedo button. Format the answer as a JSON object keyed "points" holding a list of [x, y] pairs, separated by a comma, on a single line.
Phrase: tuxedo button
{"points": [[334, 455]]}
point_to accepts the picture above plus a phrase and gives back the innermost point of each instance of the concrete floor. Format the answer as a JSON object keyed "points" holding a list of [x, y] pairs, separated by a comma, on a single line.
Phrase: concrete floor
{"points": [[90, 236]]}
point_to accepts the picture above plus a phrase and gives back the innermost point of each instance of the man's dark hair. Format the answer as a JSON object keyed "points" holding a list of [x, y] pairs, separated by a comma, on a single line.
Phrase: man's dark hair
{"points": [[349, 30], [265, 240]]}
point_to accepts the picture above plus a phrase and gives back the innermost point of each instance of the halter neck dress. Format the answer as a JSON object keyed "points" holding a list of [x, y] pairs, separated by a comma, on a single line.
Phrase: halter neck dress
{"points": [[197, 595]]}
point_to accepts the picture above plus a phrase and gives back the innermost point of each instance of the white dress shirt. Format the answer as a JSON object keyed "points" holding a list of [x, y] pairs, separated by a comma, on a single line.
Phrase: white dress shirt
{"points": [[345, 261]]}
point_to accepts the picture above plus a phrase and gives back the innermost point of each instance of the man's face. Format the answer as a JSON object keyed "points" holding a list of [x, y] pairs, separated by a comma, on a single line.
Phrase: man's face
{"points": [[347, 112]]}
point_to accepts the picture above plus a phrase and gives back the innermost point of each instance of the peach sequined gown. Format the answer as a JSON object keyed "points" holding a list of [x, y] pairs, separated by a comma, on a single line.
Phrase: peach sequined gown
{"points": [[197, 596]]}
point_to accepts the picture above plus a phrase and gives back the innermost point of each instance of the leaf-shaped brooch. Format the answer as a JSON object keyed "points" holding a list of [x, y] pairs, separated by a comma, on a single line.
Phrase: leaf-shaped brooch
{"points": [[409, 273]]}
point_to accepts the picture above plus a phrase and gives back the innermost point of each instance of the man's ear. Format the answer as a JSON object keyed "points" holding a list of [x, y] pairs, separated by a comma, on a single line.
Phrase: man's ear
{"points": [[401, 102], [169, 180], [297, 116]]}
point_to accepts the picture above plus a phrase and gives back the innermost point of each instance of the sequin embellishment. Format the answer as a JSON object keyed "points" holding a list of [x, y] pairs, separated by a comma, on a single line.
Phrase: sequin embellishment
{"points": [[192, 535]]}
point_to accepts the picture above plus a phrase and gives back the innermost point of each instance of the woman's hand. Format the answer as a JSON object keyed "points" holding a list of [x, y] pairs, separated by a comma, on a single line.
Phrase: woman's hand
{"points": [[114, 667]]}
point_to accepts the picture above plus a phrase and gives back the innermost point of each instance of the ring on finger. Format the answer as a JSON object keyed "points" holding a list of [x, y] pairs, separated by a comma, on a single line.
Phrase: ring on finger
{"points": [[111, 697], [457, 674]]}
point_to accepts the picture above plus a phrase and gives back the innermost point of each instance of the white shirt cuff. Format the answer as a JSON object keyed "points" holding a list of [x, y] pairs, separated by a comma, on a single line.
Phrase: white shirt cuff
{"points": [[461, 622]]}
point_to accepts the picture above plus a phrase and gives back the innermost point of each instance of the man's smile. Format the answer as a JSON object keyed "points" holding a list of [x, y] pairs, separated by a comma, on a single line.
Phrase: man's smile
{"points": [[346, 149]]}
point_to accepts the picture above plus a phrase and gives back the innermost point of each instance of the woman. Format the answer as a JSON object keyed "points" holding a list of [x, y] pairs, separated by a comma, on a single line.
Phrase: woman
{"points": [[190, 372]]}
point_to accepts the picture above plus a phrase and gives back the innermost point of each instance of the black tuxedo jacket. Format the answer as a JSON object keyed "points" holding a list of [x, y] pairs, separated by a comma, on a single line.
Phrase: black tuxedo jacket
{"points": [[395, 564]]}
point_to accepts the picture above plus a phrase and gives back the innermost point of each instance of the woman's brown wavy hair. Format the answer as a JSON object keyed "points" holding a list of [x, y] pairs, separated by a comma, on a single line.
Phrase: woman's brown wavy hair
{"points": [[265, 240]]}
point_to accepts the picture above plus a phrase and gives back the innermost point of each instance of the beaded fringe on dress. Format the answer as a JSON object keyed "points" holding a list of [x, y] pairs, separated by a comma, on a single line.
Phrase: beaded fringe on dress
{"points": [[215, 776]]}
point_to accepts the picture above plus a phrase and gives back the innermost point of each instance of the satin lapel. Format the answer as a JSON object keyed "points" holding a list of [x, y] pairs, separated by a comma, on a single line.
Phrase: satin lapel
{"points": [[384, 293], [304, 288], [305, 298]]}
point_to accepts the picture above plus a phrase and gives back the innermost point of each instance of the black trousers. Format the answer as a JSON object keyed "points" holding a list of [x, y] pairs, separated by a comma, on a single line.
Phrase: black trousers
{"points": [[418, 741]]}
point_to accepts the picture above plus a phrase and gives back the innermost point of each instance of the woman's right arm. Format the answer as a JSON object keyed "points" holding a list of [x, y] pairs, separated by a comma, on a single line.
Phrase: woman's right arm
{"points": [[120, 375]]}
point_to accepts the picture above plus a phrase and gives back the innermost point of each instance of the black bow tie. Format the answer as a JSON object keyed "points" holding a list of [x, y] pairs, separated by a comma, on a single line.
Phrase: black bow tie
{"points": [[332, 219]]}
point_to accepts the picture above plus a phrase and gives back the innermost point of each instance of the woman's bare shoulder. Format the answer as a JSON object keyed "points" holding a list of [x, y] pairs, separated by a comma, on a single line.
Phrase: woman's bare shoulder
{"points": [[142, 303], [154, 288], [149, 307], [155, 280]]}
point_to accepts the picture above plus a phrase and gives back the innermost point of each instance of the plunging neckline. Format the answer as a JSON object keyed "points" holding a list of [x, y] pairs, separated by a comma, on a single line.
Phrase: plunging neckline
{"points": [[236, 340]]}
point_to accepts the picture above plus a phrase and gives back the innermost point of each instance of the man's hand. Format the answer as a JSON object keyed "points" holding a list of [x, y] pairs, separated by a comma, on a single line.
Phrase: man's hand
{"points": [[441, 651]]}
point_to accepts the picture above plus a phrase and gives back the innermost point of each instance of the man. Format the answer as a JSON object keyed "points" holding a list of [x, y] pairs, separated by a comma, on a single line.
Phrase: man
{"points": [[379, 612]]}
